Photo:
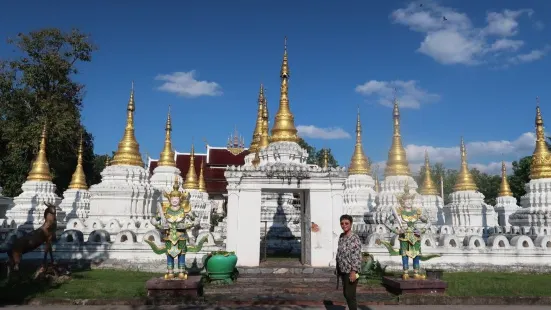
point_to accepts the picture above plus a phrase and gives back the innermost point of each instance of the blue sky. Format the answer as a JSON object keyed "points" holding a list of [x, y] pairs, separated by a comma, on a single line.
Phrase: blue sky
{"points": [[474, 73]]}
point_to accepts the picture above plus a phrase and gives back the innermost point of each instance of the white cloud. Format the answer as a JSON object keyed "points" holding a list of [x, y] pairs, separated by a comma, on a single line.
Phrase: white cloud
{"points": [[184, 84], [451, 38], [332, 133], [450, 156], [531, 56], [409, 94]]}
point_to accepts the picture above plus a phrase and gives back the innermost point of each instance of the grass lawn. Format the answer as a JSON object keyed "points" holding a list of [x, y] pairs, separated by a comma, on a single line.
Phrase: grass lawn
{"points": [[101, 284], [118, 284], [497, 284]]}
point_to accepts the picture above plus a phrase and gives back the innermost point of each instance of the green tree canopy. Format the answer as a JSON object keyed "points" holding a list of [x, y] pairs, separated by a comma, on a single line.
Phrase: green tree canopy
{"points": [[37, 87], [315, 157]]}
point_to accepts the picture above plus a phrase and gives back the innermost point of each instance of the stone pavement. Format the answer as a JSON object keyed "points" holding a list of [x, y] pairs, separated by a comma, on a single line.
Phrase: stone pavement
{"points": [[277, 307]]}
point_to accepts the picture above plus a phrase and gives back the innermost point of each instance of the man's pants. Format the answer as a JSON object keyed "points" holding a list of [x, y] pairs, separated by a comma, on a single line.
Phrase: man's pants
{"points": [[349, 291]]}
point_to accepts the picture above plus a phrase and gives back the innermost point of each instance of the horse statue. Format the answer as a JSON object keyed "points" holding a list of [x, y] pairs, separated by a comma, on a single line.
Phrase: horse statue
{"points": [[45, 234]]}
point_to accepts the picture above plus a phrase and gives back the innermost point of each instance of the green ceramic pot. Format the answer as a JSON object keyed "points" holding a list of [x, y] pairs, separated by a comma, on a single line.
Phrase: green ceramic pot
{"points": [[221, 265]]}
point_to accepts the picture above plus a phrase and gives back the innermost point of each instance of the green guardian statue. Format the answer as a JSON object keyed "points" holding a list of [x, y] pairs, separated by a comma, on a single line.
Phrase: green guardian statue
{"points": [[409, 235], [175, 218]]}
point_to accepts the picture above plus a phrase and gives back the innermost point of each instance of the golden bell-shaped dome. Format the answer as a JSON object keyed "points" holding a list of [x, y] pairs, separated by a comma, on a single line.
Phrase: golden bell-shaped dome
{"points": [[465, 181], [284, 123], [428, 188], [541, 159], [40, 170], [397, 163], [504, 188], [359, 164], [167, 157], [128, 152], [78, 181]]}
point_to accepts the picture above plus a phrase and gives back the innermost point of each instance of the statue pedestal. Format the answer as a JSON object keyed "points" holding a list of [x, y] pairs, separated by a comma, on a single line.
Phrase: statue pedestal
{"points": [[160, 290], [411, 286]]}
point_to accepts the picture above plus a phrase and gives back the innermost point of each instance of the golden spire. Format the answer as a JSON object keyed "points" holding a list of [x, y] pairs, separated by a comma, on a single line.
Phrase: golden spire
{"points": [[191, 176], [202, 185], [40, 170], [78, 181], [265, 133], [504, 188], [128, 152], [325, 159], [428, 187], [397, 163], [541, 159], [284, 123], [465, 180], [167, 155], [359, 163], [259, 120]]}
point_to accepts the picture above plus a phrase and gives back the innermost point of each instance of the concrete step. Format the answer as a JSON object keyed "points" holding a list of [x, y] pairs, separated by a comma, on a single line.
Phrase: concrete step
{"points": [[289, 288], [281, 297], [288, 278], [283, 269]]}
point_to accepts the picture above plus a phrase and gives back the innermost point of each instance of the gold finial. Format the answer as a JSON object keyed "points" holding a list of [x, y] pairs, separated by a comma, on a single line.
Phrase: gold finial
{"points": [[428, 187], [40, 170], [191, 176], [265, 133], [167, 155], [202, 183], [359, 163], [397, 163], [325, 159], [541, 159], [128, 152], [78, 181], [284, 122], [259, 120], [504, 188], [465, 180]]}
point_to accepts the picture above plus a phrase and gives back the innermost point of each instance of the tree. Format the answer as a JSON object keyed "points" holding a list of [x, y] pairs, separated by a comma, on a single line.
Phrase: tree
{"points": [[439, 173], [520, 176], [487, 184], [315, 157], [37, 88]]}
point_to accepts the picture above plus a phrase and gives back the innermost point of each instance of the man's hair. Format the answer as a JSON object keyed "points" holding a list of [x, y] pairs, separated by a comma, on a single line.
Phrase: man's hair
{"points": [[346, 217]]}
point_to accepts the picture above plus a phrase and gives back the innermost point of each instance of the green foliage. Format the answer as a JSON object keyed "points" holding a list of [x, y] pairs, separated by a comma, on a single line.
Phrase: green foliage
{"points": [[437, 171], [371, 269], [37, 87], [520, 176], [315, 157], [487, 184]]}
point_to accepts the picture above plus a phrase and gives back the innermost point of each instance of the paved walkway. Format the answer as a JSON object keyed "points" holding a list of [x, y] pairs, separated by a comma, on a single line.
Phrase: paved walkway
{"points": [[277, 308]]}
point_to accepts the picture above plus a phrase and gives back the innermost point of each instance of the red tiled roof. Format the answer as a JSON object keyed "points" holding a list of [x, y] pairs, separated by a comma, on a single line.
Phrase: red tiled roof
{"points": [[214, 169]]}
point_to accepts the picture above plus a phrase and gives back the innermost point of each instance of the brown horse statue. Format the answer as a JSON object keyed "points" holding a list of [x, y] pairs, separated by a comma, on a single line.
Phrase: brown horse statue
{"points": [[45, 234]]}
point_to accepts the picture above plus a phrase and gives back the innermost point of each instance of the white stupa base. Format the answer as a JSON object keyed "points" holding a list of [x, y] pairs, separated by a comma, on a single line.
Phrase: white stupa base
{"points": [[469, 214], [76, 203], [163, 178], [505, 206], [27, 212], [359, 198], [392, 187], [286, 153], [536, 205], [432, 206], [124, 194]]}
